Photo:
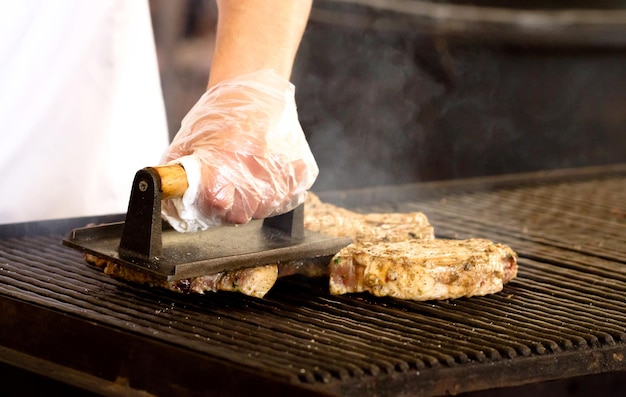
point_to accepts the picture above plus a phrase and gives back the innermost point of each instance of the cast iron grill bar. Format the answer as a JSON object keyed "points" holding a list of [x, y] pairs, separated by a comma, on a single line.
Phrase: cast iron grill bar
{"points": [[63, 276], [63, 284], [225, 333], [390, 342], [564, 241], [520, 333], [294, 329], [464, 351], [436, 327], [390, 359], [515, 211], [606, 329], [149, 330], [564, 313], [569, 297], [118, 309], [535, 322], [451, 223], [308, 327]]}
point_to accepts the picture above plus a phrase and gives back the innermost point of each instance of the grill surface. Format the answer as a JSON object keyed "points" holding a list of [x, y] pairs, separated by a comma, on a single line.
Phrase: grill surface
{"points": [[562, 316]]}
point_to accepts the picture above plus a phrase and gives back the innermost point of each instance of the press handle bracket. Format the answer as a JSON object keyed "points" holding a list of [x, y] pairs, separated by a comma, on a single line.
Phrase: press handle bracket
{"points": [[142, 234]]}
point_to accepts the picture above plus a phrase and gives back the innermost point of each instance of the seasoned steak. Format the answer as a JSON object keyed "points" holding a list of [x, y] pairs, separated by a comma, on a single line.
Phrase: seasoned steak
{"points": [[423, 269], [336, 221], [253, 281], [394, 254], [372, 227]]}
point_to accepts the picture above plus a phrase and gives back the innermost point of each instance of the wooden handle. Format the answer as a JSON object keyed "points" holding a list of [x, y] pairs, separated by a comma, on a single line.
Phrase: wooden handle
{"points": [[173, 180]]}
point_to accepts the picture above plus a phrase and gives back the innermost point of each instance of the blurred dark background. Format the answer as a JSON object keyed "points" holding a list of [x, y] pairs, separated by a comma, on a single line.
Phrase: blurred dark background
{"points": [[389, 96]]}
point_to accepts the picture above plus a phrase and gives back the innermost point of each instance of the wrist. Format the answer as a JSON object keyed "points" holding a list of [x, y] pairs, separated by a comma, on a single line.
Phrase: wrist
{"points": [[257, 34]]}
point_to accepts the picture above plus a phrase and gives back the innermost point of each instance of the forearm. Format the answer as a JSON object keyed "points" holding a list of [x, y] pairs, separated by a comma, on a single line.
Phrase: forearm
{"points": [[257, 34]]}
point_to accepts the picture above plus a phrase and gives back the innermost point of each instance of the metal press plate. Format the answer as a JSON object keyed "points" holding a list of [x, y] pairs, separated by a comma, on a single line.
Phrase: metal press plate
{"points": [[210, 251]]}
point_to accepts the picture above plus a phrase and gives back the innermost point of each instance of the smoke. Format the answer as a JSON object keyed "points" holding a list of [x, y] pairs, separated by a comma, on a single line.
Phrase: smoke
{"points": [[385, 108], [359, 99]]}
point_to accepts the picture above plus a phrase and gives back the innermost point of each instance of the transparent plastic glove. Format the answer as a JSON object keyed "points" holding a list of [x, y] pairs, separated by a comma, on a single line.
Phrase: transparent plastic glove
{"points": [[244, 152]]}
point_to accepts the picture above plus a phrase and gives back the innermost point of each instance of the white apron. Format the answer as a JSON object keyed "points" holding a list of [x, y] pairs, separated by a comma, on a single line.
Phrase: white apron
{"points": [[81, 108]]}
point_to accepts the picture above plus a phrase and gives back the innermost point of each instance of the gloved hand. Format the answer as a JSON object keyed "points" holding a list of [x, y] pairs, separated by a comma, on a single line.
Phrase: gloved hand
{"points": [[244, 153]]}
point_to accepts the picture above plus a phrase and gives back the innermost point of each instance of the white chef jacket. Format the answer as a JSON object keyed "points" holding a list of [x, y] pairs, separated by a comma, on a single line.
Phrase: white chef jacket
{"points": [[81, 108]]}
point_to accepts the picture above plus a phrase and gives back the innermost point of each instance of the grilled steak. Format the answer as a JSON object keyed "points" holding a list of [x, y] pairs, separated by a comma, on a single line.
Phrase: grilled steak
{"points": [[254, 281], [372, 227], [397, 255], [394, 254], [423, 269], [336, 221]]}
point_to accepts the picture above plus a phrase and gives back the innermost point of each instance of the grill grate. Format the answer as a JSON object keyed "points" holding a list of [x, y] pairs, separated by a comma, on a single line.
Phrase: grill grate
{"points": [[562, 316]]}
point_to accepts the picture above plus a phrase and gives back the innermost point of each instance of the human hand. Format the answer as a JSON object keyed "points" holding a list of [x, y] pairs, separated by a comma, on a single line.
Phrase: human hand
{"points": [[244, 152]]}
